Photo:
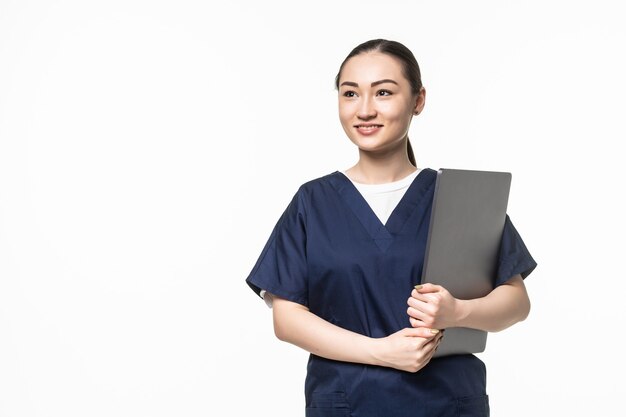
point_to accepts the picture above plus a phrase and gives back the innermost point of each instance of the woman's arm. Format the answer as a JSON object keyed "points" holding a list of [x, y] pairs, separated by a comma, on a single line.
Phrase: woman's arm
{"points": [[408, 349], [433, 306]]}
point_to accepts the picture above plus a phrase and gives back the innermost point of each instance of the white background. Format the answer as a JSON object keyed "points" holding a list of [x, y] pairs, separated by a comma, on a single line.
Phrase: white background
{"points": [[147, 148]]}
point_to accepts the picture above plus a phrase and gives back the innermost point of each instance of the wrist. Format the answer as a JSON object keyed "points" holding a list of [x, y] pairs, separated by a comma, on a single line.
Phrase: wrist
{"points": [[462, 313], [373, 349]]}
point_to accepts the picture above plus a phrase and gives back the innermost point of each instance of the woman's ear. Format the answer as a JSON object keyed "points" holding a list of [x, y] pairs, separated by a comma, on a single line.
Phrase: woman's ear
{"points": [[420, 100]]}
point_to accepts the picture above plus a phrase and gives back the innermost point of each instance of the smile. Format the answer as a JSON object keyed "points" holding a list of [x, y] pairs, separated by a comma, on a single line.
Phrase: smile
{"points": [[367, 129]]}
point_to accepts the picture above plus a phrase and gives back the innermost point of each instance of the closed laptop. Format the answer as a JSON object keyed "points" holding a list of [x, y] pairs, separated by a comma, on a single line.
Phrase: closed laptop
{"points": [[466, 224]]}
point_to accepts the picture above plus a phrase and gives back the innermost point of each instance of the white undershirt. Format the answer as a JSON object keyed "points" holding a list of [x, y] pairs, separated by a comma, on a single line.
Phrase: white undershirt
{"points": [[382, 198]]}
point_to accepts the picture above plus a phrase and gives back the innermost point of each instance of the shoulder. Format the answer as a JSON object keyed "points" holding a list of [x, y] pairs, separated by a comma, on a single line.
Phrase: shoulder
{"points": [[323, 179], [427, 177], [311, 190], [429, 172], [320, 183]]}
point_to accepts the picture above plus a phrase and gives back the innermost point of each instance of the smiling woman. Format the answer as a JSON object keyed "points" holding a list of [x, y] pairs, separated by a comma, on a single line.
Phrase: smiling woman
{"points": [[395, 91], [341, 264], [376, 105]]}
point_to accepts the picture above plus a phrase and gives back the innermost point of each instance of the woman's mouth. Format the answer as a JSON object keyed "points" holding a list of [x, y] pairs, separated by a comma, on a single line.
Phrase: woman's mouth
{"points": [[367, 129]]}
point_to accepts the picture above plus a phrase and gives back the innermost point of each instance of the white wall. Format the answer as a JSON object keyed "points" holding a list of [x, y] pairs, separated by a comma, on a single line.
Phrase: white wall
{"points": [[147, 149]]}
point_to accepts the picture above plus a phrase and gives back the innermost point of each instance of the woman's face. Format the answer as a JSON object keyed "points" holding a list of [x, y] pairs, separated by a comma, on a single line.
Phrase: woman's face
{"points": [[375, 101]]}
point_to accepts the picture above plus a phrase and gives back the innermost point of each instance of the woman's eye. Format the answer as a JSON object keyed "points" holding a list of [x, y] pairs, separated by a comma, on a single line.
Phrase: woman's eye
{"points": [[348, 94], [384, 92]]}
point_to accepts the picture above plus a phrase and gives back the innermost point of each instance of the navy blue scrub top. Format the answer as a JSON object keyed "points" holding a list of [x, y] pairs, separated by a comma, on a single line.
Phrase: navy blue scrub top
{"points": [[330, 252]]}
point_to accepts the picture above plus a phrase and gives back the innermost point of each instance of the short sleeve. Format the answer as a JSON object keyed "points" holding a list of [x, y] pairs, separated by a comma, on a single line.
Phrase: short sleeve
{"points": [[281, 268], [514, 257]]}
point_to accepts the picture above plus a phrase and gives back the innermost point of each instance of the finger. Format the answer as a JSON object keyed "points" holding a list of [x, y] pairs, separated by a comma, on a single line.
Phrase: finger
{"points": [[430, 345], [424, 332], [416, 323], [425, 304], [424, 316], [425, 298], [416, 299], [435, 341], [432, 341], [428, 287], [429, 355]]}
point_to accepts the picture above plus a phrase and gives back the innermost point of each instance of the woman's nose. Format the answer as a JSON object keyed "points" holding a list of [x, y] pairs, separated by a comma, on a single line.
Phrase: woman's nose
{"points": [[366, 109]]}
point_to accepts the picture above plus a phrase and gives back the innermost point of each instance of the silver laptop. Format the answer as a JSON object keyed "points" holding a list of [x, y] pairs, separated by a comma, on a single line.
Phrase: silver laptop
{"points": [[466, 224]]}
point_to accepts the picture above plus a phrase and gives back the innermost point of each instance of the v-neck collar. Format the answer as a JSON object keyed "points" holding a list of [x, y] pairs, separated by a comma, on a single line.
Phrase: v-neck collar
{"points": [[382, 234]]}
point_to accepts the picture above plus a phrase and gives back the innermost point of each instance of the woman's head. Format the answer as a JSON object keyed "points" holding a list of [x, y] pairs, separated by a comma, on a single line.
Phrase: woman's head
{"points": [[365, 100]]}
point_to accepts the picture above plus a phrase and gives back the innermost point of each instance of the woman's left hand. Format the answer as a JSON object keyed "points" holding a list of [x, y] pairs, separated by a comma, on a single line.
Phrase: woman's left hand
{"points": [[432, 306]]}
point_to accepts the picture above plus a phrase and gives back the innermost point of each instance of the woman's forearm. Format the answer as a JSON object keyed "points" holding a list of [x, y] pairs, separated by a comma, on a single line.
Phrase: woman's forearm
{"points": [[408, 349], [295, 324], [506, 305]]}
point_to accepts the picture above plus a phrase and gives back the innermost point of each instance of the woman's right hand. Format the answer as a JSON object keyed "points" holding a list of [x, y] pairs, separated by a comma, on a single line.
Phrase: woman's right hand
{"points": [[409, 349]]}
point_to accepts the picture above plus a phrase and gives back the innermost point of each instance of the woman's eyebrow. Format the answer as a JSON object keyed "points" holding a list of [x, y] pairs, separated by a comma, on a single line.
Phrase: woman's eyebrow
{"points": [[375, 83], [386, 80]]}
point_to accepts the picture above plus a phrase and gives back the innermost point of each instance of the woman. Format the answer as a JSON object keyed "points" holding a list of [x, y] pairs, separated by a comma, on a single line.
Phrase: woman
{"points": [[340, 266]]}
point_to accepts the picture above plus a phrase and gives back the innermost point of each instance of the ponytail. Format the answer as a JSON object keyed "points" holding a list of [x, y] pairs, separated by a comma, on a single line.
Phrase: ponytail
{"points": [[409, 150]]}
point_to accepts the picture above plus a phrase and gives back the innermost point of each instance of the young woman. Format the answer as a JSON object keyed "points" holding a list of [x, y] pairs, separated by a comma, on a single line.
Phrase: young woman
{"points": [[341, 264]]}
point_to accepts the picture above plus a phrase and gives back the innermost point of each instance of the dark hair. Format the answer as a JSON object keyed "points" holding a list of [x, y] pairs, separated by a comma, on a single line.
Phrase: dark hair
{"points": [[410, 68]]}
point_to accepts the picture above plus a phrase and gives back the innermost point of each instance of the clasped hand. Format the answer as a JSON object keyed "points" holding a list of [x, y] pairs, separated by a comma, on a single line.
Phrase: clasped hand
{"points": [[432, 306]]}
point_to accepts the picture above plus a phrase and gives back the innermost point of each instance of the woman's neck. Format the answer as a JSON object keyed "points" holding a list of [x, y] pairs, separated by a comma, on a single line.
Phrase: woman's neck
{"points": [[380, 170]]}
